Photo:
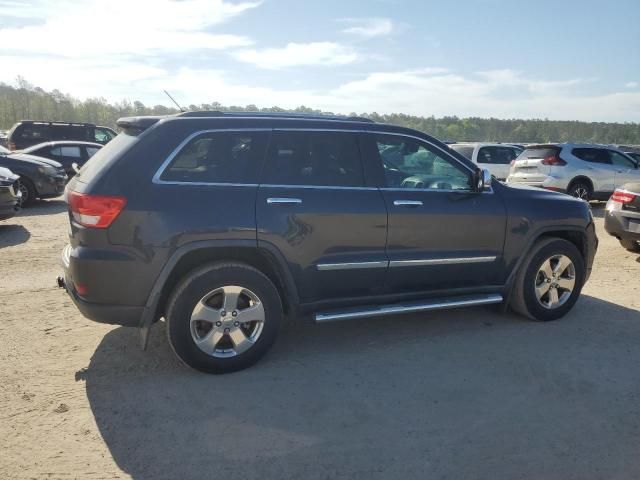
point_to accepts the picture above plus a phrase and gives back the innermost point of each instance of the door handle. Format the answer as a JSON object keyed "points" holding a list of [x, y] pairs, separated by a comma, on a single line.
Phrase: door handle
{"points": [[283, 201], [407, 203]]}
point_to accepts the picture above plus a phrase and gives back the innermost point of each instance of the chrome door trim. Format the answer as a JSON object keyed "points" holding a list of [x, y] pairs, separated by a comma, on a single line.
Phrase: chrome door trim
{"points": [[376, 311], [441, 261], [284, 201], [408, 203], [352, 265]]}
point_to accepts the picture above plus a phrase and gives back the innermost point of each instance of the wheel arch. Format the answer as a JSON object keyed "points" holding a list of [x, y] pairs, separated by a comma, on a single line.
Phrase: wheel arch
{"points": [[581, 178], [573, 234], [265, 258]]}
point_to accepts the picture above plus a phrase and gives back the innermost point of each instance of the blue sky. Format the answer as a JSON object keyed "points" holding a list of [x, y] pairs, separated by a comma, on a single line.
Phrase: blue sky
{"points": [[508, 59]]}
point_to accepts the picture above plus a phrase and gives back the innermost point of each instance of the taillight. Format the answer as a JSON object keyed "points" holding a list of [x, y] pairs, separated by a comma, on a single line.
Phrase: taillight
{"points": [[553, 160], [95, 211], [623, 197]]}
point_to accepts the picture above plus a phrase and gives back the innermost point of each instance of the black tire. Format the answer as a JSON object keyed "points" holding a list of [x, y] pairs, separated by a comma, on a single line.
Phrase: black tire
{"points": [[195, 286], [28, 190], [581, 189], [524, 300], [631, 245]]}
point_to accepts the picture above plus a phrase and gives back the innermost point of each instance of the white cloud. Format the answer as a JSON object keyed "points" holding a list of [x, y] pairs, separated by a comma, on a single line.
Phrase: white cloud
{"points": [[120, 27], [368, 27], [632, 84], [298, 54]]}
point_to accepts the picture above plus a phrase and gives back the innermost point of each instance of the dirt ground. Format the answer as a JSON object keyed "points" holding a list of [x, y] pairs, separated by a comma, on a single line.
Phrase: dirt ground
{"points": [[467, 394]]}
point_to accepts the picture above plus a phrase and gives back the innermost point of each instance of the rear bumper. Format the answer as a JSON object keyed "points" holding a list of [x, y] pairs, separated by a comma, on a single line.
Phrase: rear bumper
{"points": [[9, 202], [622, 224], [125, 315]]}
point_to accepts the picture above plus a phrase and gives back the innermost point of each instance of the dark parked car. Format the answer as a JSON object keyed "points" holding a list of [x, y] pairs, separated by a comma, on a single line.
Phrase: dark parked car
{"points": [[39, 177], [634, 155], [10, 195], [29, 132], [221, 223], [65, 152], [622, 217]]}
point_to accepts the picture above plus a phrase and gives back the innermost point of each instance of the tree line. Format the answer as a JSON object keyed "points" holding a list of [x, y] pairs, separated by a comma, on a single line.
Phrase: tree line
{"points": [[25, 101]]}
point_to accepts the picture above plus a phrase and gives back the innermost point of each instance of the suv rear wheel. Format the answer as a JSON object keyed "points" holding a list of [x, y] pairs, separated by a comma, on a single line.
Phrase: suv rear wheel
{"points": [[223, 317], [549, 281], [631, 245], [580, 189]]}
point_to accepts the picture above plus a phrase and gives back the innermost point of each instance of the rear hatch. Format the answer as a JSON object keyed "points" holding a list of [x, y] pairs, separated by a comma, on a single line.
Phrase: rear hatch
{"points": [[532, 166]]}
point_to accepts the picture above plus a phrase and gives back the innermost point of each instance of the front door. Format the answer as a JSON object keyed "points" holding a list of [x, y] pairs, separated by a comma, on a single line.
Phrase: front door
{"points": [[313, 205], [442, 235], [626, 169]]}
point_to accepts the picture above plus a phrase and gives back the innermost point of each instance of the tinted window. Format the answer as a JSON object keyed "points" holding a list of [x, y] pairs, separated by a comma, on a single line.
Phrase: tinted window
{"points": [[37, 133], [409, 163], [592, 155], [314, 158], [497, 155], [106, 156], [102, 135], [620, 160], [70, 152], [91, 151], [217, 157], [465, 150]]}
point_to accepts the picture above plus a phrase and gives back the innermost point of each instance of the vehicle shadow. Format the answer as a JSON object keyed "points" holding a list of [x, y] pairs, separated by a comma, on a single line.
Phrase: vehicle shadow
{"points": [[11, 235], [44, 207], [457, 394], [598, 209]]}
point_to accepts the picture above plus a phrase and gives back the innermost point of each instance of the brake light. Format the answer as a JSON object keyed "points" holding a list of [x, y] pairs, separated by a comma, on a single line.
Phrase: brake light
{"points": [[553, 160], [623, 197], [95, 211]]}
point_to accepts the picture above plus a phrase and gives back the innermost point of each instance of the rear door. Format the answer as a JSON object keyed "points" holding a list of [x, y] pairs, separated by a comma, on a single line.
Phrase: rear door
{"points": [[441, 235], [315, 207], [626, 169], [598, 168]]}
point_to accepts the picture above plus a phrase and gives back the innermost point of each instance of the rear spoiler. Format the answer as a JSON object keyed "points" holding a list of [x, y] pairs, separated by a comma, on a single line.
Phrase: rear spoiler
{"points": [[137, 125]]}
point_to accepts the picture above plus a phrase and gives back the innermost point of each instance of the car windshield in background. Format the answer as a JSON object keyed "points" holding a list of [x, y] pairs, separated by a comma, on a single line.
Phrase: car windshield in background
{"points": [[102, 158]]}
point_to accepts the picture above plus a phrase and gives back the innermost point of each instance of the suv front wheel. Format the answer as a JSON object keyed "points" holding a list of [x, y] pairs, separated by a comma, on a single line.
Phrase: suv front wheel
{"points": [[223, 317], [549, 281]]}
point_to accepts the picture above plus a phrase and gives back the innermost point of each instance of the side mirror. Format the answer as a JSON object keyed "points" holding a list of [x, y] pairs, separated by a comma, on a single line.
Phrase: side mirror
{"points": [[482, 180]]}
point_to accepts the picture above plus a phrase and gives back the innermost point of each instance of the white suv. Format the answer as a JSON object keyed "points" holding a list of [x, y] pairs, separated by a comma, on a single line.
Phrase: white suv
{"points": [[494, 157], [586, 171]]}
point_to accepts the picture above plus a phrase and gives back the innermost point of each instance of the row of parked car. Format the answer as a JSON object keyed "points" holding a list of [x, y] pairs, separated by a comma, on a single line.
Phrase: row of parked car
{"points": [[40, 157]]}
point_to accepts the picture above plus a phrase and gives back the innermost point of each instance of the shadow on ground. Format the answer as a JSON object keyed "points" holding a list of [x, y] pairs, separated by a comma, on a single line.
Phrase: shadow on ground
{"points": [[459, 394], [43, 207], [11, 235]]}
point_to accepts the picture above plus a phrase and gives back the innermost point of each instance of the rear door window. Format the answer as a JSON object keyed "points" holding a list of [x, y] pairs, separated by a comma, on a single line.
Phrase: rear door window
{"points": [[496, 155], [35, 133], [217, 157], [592, 155], [314, 158], [91, 151], [71, 152]]}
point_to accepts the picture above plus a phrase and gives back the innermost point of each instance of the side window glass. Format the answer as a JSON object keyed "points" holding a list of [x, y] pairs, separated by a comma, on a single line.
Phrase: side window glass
{"points": [[620, 160], [409, 163], [592, 155], [71, 152], [218, 157], [91, 151], [314, 158]]}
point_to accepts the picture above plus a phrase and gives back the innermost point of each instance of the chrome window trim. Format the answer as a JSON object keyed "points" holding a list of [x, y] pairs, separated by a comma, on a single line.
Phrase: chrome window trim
{"points": [[323, 187], [441, 261], [434, 190], [352, 265]]}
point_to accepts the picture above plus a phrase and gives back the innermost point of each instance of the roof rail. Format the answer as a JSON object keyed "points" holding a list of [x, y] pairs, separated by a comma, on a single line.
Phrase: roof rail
{"points": [[310, 116], [47, 122]]}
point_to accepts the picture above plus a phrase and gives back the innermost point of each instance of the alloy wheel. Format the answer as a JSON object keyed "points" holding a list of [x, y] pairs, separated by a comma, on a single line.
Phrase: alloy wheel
{"points": [[555, 281], [227, 321]]}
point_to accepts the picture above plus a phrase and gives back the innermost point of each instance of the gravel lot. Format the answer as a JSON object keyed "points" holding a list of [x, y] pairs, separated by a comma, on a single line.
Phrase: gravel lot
{"points": [[467, 394]]}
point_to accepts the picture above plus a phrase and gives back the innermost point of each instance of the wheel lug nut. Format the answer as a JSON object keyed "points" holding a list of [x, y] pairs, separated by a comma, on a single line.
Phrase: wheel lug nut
{"points": [[236, 324], [223, 313], [218, 324], [234, 313]]}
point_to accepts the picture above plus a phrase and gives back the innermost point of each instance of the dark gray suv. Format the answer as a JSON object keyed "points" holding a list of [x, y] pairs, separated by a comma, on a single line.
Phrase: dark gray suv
{"points": [[221, 223]]}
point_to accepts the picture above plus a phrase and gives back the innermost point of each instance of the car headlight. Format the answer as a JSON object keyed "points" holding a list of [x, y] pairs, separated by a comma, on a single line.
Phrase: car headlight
{"points": [[48, 170]]}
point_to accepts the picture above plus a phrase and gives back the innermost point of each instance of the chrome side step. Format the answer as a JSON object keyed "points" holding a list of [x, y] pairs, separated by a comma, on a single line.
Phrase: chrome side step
{"points": [[421, 306]]}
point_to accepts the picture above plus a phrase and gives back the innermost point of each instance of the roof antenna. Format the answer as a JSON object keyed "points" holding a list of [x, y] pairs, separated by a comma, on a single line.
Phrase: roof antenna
{"points": [[174, 101]]}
